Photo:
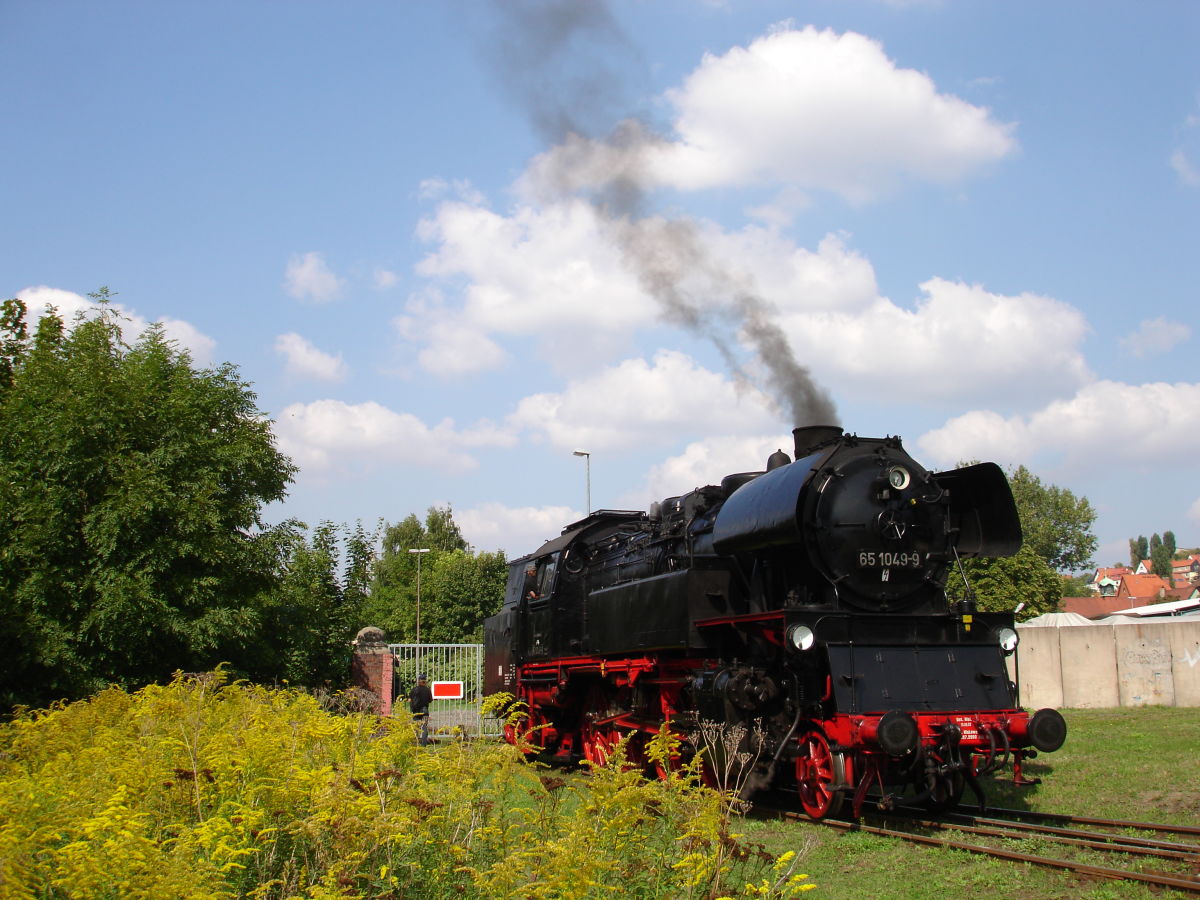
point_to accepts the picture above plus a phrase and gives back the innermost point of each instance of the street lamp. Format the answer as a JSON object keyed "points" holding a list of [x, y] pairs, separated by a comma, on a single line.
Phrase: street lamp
{"points": [[587, 458], [419, 552]]}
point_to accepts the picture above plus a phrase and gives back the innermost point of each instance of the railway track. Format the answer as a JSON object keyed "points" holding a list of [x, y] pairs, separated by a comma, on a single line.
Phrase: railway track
{"points": [[1125, 842]]}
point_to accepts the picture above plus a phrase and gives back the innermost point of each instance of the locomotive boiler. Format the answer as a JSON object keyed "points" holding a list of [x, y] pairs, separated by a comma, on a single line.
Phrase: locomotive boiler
{"points": [[801, 610]]}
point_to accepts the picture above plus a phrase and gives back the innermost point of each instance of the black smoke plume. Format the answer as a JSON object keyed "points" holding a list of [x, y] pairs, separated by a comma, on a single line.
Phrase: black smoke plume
{"points": [[569, 67]]}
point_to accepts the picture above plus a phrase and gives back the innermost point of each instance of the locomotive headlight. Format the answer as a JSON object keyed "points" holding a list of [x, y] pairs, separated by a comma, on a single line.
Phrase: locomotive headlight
{"points": [[899, 478], [801, 636], [1008, 640]]}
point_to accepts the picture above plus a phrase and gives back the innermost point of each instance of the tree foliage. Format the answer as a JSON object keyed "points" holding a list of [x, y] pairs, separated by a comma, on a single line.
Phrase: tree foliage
{"points": [[310, 616], [1160, 561], [464, 589], [1139, 549], [131, 484], [1057, 529], [1002, 584], [1057, 525], [458, 588]]}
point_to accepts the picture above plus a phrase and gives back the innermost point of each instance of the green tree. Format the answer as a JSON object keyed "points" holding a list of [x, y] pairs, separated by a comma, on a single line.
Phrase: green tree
{"points": [[131, 485], [1057, 525], [1169, 541], [1076, 585], [14, 341], [1160, 561], [1141, 551], [441, 531], [1057, 528], [1002, 584], [311, 616], [462, 590], [458, 588]]}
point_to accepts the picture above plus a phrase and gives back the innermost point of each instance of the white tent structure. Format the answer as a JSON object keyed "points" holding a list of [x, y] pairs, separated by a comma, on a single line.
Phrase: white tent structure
{"points": [[1055, 620], [1174, 611], [1173, 608]]}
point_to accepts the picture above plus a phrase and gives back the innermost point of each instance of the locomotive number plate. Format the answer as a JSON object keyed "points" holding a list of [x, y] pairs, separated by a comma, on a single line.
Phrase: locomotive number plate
{"points": [[888, 559]]}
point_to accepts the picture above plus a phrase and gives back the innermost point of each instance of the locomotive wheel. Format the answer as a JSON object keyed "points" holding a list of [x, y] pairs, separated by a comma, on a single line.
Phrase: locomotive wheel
{"points": [[598, 745], [818, 772], [947, 792]]}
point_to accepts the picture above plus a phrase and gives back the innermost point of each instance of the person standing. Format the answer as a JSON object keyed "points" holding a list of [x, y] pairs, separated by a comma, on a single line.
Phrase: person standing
{"points": [[419, 699]]}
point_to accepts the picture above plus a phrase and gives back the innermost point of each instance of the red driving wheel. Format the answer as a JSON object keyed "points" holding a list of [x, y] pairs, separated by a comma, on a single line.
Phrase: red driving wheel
{"points": [[819, 775]]}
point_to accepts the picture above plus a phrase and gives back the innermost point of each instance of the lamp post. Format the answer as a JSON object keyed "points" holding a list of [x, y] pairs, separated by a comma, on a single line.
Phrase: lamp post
{"points": [[420, 552], [587, 458]]}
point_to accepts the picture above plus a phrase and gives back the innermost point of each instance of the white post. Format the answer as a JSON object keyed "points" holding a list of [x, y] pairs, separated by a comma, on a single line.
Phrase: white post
{"points": [[587, 459]]}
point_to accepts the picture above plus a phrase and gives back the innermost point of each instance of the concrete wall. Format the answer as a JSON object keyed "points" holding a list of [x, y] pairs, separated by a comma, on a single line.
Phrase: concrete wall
{"points": [[1082, 666]]}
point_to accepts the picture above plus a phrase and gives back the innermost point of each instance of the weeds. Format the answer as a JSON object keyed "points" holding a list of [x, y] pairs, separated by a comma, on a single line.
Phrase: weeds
{"points": [[204, 788]]}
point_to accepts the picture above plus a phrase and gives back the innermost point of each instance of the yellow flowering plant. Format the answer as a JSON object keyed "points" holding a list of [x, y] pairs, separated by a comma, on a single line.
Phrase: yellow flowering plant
{"points": [[207, 788]]}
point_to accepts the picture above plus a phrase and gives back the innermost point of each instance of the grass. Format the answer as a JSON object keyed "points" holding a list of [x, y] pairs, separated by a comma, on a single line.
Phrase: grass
{"points": [[1137, 764]]}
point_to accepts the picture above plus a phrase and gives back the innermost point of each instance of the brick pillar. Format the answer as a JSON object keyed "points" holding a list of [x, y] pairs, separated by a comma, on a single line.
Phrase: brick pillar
{"points": [[371, 667]]}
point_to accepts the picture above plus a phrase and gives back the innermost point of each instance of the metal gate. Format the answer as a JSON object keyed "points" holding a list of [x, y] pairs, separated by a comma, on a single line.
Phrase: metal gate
{"points": [[449, 669]]}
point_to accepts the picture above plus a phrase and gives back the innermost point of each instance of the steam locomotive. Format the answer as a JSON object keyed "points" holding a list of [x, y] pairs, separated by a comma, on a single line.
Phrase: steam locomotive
{"points": [[798, 614]]}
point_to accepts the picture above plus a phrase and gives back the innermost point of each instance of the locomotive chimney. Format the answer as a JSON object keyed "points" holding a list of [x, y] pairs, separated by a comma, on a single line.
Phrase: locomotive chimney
{"points": [[810, 438]]}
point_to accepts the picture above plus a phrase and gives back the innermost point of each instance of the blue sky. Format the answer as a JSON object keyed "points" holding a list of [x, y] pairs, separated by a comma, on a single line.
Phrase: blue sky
{"points": [[450, 243]]}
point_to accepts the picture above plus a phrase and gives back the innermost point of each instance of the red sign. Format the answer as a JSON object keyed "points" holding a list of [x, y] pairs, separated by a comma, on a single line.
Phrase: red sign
{"points": [[448, 690]]}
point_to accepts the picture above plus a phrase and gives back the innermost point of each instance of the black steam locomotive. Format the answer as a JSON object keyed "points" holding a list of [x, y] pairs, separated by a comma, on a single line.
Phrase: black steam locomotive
{"points": [[801, 610]]}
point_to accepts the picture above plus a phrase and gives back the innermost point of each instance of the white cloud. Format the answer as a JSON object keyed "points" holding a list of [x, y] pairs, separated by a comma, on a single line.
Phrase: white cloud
{"points": [[304, 360], [39, 299], [515, 530], [960, 341], [198, 344], [1155, 336], [1105, 423], [1187, 172], [707, 461], [979, 434], [638, 404], [308, 278], [553, 274], [69, 304], [329, 434], [1187, 147], [797, 111], [548, 274], [438, 188], [833, 277], [822, 111], [385, 278], [452, 346], [1194, 511]]}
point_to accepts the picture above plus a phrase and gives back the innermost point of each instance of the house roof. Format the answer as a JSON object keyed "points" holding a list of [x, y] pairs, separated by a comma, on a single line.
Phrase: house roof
{"points": [[1113, 572], [1092, 606], [1141, 586], [1183, 592]]}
